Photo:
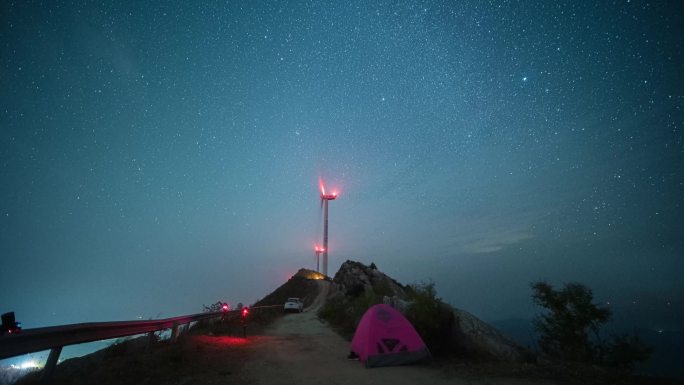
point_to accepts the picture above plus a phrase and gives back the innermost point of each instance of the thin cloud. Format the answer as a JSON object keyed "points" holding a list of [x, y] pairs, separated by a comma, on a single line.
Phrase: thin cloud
{"points": [[495, 241]]}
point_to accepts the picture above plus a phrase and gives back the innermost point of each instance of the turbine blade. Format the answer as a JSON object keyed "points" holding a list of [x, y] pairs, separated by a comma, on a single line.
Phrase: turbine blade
{"points": [[321, 185]]}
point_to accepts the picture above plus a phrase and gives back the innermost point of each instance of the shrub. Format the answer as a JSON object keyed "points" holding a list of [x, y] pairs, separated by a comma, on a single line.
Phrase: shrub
{"points": [[625, 350], [432, 319], [212, 308], [345, 312]]}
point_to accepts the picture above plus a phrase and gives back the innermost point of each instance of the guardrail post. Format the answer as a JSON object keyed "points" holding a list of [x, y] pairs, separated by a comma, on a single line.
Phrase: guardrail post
{"points": [[50, 364], [150, 340], [174, 333]]}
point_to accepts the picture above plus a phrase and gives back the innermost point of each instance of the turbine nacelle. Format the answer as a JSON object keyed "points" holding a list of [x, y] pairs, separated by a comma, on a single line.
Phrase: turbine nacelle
{"points": [[325, 196], [329, 197]]}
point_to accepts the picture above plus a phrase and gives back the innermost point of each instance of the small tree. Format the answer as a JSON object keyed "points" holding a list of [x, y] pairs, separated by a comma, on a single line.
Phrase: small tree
{"points": [[569, 318]]}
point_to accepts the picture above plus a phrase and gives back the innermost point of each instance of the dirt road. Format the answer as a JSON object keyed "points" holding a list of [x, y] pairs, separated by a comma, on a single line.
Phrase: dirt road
{"points": [[300, 349]]}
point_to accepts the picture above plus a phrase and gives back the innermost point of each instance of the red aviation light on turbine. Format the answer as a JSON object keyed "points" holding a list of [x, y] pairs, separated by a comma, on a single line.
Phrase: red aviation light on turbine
{"points": [[329, 197]]}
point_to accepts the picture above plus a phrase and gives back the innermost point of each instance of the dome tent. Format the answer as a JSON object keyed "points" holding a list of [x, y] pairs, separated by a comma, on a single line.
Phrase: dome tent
{"points": [[384, 337]]}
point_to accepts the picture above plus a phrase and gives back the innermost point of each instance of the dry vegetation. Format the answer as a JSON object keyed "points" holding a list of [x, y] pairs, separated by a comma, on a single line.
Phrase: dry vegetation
{"points": [[129, 362]]}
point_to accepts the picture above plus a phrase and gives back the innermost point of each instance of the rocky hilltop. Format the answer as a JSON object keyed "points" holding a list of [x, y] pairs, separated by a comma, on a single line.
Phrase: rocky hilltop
{"points": [[357, 286], [302, 285]]}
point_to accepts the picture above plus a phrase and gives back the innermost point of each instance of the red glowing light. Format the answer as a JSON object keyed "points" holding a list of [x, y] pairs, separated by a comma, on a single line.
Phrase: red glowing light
{"points": [[245, 311], [225, 307], [222, 341], [324, 195]]}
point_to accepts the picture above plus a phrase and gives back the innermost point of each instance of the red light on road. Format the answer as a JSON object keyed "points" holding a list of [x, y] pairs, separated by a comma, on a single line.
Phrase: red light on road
{"points": [[225, 307], [245, 311], [222, 340]]}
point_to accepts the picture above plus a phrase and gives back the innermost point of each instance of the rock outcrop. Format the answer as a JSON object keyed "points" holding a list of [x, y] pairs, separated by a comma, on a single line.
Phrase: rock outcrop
{"points": [[309, 274], [302, 285], [355, 278], [477, 339]]}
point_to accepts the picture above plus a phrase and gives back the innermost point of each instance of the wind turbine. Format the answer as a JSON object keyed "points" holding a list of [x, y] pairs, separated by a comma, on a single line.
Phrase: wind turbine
{"points": [[324, 201]]}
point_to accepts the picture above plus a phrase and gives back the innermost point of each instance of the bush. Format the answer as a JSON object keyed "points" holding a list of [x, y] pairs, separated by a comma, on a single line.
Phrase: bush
{"points": [[625, 350], [431, 318], [345, 313], [212, 308]]}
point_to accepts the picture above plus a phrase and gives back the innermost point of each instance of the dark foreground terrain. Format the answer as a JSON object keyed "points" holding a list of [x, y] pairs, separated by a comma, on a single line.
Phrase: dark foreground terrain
{"points": [[298, 349]]}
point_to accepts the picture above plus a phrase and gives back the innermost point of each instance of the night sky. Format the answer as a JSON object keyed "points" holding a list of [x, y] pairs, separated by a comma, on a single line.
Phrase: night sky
{"points": [[157, 157]]}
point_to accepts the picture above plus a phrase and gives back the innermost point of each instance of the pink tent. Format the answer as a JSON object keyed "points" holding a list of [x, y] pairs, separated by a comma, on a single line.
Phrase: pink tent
{"points": [[385, 337]]}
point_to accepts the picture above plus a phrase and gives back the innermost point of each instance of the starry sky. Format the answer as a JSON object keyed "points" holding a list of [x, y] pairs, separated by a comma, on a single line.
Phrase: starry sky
{"points": [[155, 157]]}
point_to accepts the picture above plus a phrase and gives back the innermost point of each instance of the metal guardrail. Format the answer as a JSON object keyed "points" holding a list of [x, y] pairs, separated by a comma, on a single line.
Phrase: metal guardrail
{"points": [[54, 338], [38, 339]]}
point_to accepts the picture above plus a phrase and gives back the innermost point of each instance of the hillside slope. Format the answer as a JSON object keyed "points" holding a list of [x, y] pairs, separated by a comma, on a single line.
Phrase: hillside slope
{"points": [[446, 330]]}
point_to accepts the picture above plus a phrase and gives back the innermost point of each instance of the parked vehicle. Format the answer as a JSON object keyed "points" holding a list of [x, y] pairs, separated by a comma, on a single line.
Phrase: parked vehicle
{"points": [[293, 305]]}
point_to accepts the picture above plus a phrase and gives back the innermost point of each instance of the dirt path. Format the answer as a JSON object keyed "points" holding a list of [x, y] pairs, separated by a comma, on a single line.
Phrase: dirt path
{"points": [[300, 349]]}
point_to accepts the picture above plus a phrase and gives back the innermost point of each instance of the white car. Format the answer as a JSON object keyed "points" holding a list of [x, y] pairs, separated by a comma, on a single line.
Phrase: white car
{"points": [[294, 304]]}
